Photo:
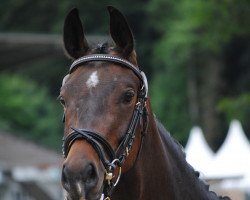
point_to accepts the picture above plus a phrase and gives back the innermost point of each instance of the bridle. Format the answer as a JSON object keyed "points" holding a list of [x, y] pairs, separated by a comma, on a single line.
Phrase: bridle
{"points": [[111, 159]]}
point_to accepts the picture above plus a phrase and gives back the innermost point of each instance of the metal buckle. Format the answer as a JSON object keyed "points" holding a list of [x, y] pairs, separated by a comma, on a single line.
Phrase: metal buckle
{"points": [[102, 197], [109, 175]]}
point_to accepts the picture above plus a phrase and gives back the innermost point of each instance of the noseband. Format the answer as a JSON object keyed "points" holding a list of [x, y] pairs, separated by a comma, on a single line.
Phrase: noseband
{"points": [[111, 159]]}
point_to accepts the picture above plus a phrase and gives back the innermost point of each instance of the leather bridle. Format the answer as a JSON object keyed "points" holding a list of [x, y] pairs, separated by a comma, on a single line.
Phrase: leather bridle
{"points": [[111, 159]]}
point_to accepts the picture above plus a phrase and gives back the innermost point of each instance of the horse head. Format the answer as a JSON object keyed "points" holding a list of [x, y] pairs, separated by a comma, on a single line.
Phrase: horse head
{"points": [[103, 97]]}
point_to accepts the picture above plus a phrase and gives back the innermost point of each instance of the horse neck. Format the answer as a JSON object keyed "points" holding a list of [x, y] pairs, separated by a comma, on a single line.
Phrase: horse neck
{"points": [[161, 171]]}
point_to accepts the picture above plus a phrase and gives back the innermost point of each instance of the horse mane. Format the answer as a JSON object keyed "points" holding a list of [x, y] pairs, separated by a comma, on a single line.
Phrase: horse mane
{"points": [[177, 149]]}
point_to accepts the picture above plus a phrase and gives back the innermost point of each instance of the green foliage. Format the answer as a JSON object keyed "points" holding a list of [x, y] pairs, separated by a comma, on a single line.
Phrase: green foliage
{"points": [[26, 108], [236, 108], [198, 26], [169, 102], [48, 16], [190, 33], [27, 15], [47, 72]]}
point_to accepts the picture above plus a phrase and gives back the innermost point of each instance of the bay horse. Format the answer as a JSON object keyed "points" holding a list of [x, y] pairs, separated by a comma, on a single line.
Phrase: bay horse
{"points": [[114, 147]]}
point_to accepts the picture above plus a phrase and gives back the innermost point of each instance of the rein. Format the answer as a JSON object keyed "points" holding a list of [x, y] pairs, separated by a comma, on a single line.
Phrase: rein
{"points": [[111, 159]]}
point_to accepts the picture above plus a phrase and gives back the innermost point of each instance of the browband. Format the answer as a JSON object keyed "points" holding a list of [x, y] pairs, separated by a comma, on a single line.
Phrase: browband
{"points": [[111, 58]]}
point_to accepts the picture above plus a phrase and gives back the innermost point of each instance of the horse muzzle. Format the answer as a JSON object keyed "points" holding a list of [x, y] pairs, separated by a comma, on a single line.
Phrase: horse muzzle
{"points": [[82, 179]]}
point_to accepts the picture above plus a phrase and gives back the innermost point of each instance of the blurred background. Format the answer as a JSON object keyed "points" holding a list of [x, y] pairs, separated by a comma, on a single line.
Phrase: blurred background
{"points": [[196, 55]]}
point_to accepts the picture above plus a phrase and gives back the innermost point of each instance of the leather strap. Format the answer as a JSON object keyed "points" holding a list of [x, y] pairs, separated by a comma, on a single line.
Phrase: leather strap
{"points": [[114, 59], [95, 139], [105, 57]]}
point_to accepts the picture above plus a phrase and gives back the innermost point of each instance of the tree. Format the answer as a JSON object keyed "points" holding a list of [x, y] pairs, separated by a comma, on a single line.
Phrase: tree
{"points": [[194, 41], [27, 109]]}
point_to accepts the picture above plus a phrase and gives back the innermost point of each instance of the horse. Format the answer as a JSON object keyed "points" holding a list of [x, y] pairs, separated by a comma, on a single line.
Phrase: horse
{"points": [[113, 144]]}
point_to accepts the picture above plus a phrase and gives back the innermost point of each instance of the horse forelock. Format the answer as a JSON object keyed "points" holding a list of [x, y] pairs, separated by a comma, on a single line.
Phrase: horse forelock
{"points": [[101, 48], [107, 47]]}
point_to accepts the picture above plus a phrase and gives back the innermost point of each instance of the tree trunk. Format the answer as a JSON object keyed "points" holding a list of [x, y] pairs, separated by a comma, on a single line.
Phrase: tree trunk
{"points": [[209, 90], [204, 87]]}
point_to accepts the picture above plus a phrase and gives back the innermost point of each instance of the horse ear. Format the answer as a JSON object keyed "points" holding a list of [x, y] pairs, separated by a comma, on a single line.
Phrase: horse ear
{"points": [[74, 39], [120, 31]]}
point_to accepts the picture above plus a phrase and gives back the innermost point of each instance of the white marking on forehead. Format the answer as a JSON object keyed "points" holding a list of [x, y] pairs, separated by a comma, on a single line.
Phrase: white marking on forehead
{"points": [[93, 80]]}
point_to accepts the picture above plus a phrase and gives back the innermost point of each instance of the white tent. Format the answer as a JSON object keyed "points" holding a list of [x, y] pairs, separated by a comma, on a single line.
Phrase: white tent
{"points": [[233, 158], [199, 154]]}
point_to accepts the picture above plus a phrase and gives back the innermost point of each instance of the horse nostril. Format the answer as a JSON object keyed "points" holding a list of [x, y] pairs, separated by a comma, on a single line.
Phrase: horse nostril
{"points": [[89, 176], [64, 179]]}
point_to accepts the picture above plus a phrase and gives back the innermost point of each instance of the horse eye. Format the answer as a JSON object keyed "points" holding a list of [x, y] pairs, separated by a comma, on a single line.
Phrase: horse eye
{"points": [[61, 99], [128, 96]]}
